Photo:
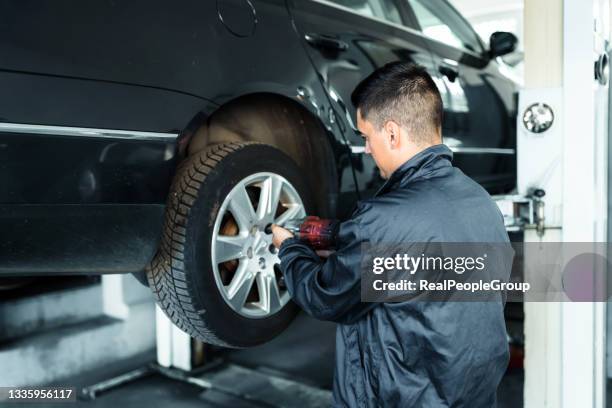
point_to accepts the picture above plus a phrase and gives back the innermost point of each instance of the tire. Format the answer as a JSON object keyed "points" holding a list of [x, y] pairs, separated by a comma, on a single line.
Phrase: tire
{"points": [[208, 220]]}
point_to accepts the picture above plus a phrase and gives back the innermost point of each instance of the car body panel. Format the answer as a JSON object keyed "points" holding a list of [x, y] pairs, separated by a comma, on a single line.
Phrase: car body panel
{"points": [[373, 41], [370, 43], [479, 86]]}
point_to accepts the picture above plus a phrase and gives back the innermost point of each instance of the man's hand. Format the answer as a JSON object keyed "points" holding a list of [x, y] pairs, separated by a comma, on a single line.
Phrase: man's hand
{"points": [[279, 234]]}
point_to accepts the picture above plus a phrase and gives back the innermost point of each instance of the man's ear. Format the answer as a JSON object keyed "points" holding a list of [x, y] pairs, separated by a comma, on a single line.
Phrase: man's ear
{"points": [[392, 130]]}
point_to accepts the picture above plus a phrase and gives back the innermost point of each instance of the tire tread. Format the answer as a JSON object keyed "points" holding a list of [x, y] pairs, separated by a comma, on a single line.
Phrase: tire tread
{"points": [[166, 273]]}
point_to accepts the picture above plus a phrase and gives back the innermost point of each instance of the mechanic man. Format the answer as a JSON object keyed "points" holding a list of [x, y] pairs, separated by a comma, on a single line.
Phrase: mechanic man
{"points": [[404, 354]]}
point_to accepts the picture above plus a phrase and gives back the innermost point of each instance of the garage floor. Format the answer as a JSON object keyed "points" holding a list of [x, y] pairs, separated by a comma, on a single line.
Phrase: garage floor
{"points": [[296, 369]]}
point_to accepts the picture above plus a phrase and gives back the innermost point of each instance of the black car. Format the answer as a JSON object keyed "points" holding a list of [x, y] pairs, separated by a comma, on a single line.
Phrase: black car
{"points": [[162, 137]]}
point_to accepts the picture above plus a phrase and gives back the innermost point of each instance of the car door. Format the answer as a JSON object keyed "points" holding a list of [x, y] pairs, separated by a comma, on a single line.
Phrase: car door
{"points": [[347, 40], [479, 105]]}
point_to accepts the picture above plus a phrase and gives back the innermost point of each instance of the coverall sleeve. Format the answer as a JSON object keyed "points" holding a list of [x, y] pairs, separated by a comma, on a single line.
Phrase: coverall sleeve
{"points": [[327, 289]]}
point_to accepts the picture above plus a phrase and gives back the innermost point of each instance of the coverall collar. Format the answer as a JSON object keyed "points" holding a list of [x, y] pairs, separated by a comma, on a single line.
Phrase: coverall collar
{"points": [[419, 165]]}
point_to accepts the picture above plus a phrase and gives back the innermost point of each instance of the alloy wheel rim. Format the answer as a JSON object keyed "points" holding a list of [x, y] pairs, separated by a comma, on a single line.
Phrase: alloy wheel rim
{"points": [[245, 263]]}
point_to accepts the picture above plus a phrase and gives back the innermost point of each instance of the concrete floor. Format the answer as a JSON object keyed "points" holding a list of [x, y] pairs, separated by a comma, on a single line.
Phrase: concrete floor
{"points": [[295, 369]]}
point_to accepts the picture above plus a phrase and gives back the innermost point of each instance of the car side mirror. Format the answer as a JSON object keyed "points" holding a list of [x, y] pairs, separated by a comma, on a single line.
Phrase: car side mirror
{"points": [[502, 43]]}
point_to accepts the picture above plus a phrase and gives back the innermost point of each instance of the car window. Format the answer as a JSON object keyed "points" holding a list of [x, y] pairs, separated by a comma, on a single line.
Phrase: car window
{"points": [[383, 9], [439, 21]]}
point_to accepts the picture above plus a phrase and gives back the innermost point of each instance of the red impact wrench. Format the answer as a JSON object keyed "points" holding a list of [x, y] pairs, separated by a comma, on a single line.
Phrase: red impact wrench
{"points": [[318, 233]]}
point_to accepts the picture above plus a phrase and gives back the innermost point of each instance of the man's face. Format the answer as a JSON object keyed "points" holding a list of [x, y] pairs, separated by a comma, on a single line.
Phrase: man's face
{"points": [[375, 145]]}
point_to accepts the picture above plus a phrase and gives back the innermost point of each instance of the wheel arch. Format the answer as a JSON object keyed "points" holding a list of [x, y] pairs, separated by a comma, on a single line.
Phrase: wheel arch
{"points": [[281, 122]]}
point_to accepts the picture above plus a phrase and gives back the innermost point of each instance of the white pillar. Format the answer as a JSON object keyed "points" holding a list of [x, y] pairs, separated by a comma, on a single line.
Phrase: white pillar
{"points": [[174, 347], [564, 342], [585, 192], [539, 166]]}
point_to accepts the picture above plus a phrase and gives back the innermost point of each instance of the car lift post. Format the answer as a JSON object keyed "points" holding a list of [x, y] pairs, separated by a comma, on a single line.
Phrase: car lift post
{"points": [[565, 41], [174, 346]]}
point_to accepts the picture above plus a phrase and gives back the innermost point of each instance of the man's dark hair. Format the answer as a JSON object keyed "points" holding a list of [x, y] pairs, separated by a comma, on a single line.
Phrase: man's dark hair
{"points": [[405, 93]]}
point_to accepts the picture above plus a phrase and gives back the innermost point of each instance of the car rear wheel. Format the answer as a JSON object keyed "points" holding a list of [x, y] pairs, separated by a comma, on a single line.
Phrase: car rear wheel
{"points": [[216, 274]]}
